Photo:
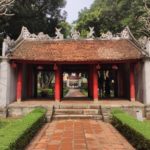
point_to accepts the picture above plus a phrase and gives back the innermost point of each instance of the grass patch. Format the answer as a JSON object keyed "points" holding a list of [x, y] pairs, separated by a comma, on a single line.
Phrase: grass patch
{"points": [[65, 91], [17, 134], [137, 132], [84, 91], [45, 92], [5, 122]]}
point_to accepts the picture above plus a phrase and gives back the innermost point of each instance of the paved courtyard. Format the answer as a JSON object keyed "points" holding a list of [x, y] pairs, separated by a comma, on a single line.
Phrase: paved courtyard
{"points": [[79, 135], [74, 93]]}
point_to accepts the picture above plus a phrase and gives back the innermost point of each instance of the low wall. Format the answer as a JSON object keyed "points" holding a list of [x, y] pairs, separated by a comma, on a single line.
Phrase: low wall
{"points": [[3, 112], [106, 111]]}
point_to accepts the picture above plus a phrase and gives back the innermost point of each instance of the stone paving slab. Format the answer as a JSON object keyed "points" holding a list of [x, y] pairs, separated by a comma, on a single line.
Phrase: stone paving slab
{"points": [[74, 93], [79, 135]]}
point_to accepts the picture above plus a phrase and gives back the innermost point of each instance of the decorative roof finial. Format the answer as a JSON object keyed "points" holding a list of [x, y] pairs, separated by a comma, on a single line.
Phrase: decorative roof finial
{"points": [[9, 41], [90, 35], [107, 36], [75, 34], [125, 33], [59, 35], [25, 33]]}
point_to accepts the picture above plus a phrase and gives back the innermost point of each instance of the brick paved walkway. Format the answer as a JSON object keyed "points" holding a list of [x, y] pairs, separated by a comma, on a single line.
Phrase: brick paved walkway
{"points": [[79, 135], [74, 93]]}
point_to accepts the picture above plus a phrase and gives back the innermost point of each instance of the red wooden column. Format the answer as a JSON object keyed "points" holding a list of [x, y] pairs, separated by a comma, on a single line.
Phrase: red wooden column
{"points": [[19, 82], [57, 83], [90, 81], [61, 83], [132, 83], [89, 84], [30, 81], [95, 83]]}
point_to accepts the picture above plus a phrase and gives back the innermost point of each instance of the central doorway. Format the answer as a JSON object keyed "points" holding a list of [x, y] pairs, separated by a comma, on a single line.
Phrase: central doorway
{"points": [[75, 82], [75, 85]]}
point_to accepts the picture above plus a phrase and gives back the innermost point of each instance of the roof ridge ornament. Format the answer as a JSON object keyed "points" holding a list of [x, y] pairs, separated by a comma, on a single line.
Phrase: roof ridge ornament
{"points": [[10, 42], [42, 36], [75, 34], [25, 33], [125, 34], [90, 35], [107, 36], [59, 35]]}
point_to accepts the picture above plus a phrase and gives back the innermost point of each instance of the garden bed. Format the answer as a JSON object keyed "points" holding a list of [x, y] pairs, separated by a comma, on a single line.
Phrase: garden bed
{"points": [[16, 134], [137, 132]]}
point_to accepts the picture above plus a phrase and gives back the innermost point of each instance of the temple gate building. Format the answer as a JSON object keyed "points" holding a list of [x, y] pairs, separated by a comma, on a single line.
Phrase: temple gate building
{"points": [[124, 62]]}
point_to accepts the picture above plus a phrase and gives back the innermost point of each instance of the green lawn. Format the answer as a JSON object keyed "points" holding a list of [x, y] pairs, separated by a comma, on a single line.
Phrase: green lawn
{"points": [[5, 122], [15, 134], [137, 132], [84, 91]]}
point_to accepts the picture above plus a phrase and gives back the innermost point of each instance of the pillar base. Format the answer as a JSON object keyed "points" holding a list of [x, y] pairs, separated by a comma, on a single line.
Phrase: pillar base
{"points": [[18, 100], [96, 100], [57, 100], [132, 99]]}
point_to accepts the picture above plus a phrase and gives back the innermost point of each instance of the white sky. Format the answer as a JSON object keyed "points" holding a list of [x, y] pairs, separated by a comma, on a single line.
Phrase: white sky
{"points": [[74, 6]]}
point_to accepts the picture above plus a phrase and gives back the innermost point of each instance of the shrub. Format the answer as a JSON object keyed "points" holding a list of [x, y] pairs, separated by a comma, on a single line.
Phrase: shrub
{"points": [[137, 133], [18, 134]]}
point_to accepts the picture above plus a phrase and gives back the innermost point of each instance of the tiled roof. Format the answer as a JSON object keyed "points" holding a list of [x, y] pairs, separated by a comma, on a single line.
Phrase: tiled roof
{"points": [[74, 51]]}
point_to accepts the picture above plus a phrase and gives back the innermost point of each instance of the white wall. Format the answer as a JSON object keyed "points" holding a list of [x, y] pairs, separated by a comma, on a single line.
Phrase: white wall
{"points": [[146, 77], [7, 83], [139, 81]]}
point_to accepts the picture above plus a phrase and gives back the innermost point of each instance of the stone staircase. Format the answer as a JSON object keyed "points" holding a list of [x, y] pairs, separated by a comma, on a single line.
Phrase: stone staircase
{"points": [[77, 112]]}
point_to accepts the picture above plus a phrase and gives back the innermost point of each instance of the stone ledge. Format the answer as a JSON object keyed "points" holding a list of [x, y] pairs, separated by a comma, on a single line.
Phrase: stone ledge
{"points": [[3, 112]]}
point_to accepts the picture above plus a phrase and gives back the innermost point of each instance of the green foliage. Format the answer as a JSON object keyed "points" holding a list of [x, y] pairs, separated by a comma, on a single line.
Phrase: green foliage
{"points": [[36, 15], [66, 27], [84, 91], [65, 90], [17, 134], [111, 15], [138, 133], [45, 92]]}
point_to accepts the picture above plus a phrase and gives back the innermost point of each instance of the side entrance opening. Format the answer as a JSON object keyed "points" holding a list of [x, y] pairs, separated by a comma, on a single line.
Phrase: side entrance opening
{"points": [[45, 84], [108, 82]]}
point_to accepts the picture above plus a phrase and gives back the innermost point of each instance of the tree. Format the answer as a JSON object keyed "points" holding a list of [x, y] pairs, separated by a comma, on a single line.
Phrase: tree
{"points": [[145, 19], [66, 28], [4, 7], [36, 15], [111, 15]]}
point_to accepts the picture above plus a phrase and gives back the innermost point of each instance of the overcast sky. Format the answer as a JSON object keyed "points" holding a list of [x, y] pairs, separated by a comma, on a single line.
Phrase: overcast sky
{"points": [[74, 6]]}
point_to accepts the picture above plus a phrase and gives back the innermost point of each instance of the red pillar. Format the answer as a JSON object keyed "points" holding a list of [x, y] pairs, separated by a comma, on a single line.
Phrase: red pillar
{"points": [[132, 83], [57, 83], [95, 83], [19, 83], [90, 81], [61, 83], [30, 78], [89, 85], [35, 84]]}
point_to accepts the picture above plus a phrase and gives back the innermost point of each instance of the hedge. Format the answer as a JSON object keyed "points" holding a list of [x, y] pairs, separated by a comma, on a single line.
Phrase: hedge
{"points": [[18, 134], [137, 132]]}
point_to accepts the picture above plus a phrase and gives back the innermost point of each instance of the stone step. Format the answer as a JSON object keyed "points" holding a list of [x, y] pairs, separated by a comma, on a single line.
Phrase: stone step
{"points": [[77, 106], [49, 115], [77, 111], [95, 117]]}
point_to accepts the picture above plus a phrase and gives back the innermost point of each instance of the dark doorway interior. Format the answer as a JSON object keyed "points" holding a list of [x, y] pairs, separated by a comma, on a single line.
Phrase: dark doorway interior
{"points": [[108, 82]]}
